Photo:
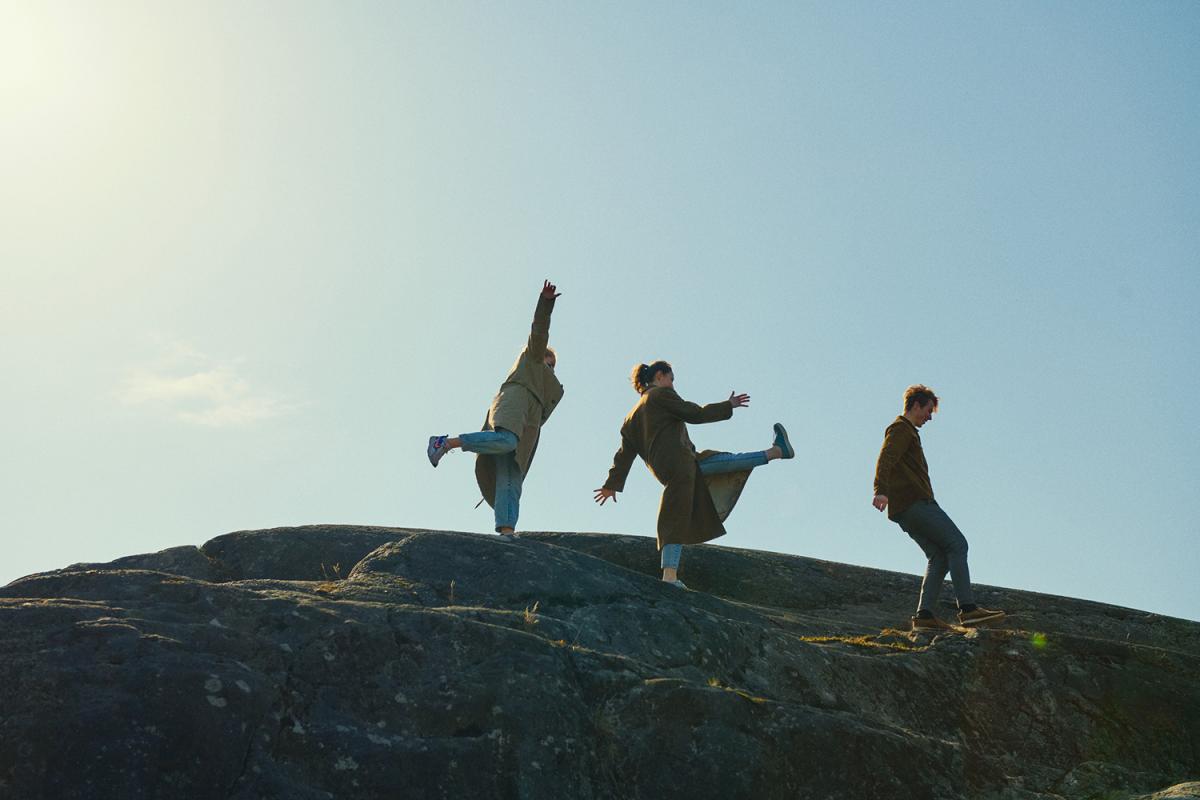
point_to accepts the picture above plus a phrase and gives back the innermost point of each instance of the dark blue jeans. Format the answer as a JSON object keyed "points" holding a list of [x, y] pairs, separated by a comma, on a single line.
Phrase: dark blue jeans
{"points": [[944, 546]]}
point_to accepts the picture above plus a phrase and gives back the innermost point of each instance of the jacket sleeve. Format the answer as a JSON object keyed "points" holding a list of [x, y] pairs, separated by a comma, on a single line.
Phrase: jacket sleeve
{"points": [[539, 332], [622, 461], [670, 401], [895, 442]]}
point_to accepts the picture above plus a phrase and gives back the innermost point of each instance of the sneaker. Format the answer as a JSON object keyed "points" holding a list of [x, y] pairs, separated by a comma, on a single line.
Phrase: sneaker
{"points": [[930, 624], [437, 448], [782, 442], [978, 615], [678, 584]]}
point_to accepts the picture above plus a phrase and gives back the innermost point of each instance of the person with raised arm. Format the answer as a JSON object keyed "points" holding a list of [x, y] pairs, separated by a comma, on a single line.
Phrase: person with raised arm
{"points": [[902, 487], [505, 447], [700, 489]]}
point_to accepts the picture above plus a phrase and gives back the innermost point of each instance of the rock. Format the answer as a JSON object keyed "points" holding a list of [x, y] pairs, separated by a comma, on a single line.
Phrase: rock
{"points": [[187, 560], [438, 664], [308, 553], [1183, 791]]}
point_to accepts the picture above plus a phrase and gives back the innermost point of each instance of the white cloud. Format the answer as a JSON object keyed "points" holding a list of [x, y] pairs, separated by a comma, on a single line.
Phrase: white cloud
{"points": [[191, 387]]}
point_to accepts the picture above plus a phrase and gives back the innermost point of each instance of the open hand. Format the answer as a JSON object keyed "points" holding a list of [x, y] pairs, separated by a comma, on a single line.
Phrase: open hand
{"points": [[605, 494], [739, 400], [548, 290]]}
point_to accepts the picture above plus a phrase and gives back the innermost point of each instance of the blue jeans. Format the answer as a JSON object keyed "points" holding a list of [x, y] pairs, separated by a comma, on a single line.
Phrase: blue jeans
{"points": [[945, 547], [500, 445], [715, 465]]}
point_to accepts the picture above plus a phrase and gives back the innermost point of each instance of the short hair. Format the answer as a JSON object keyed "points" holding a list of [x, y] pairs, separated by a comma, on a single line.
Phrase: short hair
{"points": [[919, 395], [643, 374], [552, 352]]}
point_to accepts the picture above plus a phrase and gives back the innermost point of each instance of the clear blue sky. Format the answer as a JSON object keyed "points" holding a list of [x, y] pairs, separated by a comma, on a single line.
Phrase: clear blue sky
{"points": [[253, 255]]}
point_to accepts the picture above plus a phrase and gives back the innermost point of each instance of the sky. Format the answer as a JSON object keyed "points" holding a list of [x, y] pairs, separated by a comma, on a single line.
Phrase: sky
{"points": [[254, 255]]}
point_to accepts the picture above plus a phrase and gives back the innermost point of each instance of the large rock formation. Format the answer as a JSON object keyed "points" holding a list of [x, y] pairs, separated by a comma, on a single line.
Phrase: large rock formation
{"points": [[336, 661]]}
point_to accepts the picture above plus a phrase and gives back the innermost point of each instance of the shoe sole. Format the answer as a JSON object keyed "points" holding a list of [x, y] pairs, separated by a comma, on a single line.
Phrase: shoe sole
{"points": [[432, 451], [943, 627], [786, 448], [970, 623]]}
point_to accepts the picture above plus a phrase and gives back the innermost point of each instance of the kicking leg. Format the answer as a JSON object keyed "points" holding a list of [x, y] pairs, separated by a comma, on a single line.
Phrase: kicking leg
{"points": [[743, 462], [482, 442], [733, 462]]}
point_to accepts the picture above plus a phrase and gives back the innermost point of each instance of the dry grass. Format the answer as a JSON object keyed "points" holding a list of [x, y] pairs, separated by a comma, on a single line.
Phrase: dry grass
{"points": [[869, 642]]}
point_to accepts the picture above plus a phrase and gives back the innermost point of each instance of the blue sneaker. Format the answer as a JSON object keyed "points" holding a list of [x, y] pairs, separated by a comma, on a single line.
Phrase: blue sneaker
{"points": [[782, 442], [437, 448]]}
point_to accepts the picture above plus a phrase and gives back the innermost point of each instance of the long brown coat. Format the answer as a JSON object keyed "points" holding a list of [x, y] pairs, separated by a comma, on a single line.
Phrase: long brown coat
{"points": [[693, 506], [525, 401]]}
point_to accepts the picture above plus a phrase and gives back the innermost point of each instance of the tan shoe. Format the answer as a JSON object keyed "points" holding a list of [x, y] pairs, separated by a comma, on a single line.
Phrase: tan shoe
{"points": [[930, 624], [978, 615]]}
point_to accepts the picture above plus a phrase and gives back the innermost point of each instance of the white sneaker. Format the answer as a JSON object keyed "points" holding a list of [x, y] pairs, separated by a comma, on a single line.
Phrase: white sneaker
{"points": [[678, 584], [437, 448]]}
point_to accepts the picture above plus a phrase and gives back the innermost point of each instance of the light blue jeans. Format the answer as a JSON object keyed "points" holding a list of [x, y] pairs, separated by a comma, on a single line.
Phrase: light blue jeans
{"points": [[715, 465], [500, 445]]}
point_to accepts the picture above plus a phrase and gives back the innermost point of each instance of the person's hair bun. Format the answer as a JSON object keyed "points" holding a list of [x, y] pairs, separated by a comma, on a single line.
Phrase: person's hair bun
{"points": [[643, 374]]}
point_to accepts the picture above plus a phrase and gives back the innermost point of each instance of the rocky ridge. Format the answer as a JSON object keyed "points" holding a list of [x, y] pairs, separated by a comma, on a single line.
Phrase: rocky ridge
{"points": [[342, 661]]}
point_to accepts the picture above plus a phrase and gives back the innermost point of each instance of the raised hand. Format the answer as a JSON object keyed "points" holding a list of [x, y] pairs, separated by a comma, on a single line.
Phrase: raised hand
{"points": [[548, 290], [739, 400], [605, 494]]}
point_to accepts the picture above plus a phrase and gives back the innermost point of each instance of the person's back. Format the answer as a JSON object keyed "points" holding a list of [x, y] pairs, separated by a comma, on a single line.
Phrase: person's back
{"points": [[657, 414]]}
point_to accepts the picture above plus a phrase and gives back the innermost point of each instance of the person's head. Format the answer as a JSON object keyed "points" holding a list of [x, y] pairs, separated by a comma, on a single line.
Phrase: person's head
{"points": [[646, 376], [551, 358], [919, 404]]}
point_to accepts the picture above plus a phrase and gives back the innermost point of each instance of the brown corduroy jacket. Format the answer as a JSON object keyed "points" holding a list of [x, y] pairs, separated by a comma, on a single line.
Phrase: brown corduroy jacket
{"points": [[901, 473], [693, 507]]}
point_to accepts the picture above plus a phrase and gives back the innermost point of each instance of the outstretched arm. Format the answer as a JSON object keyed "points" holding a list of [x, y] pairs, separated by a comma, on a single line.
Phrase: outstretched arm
{"points": [[676, 406], [539, 332], [622, 461]]}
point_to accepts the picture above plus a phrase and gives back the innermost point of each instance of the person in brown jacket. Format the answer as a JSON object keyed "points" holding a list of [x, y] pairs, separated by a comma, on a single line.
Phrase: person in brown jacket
{"points": [[700, 488], [902, 487], [505, 447]]}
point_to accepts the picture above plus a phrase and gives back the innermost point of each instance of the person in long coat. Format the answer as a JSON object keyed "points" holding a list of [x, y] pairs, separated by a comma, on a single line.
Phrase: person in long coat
{"points": [[701, 489], [505, 447]]}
